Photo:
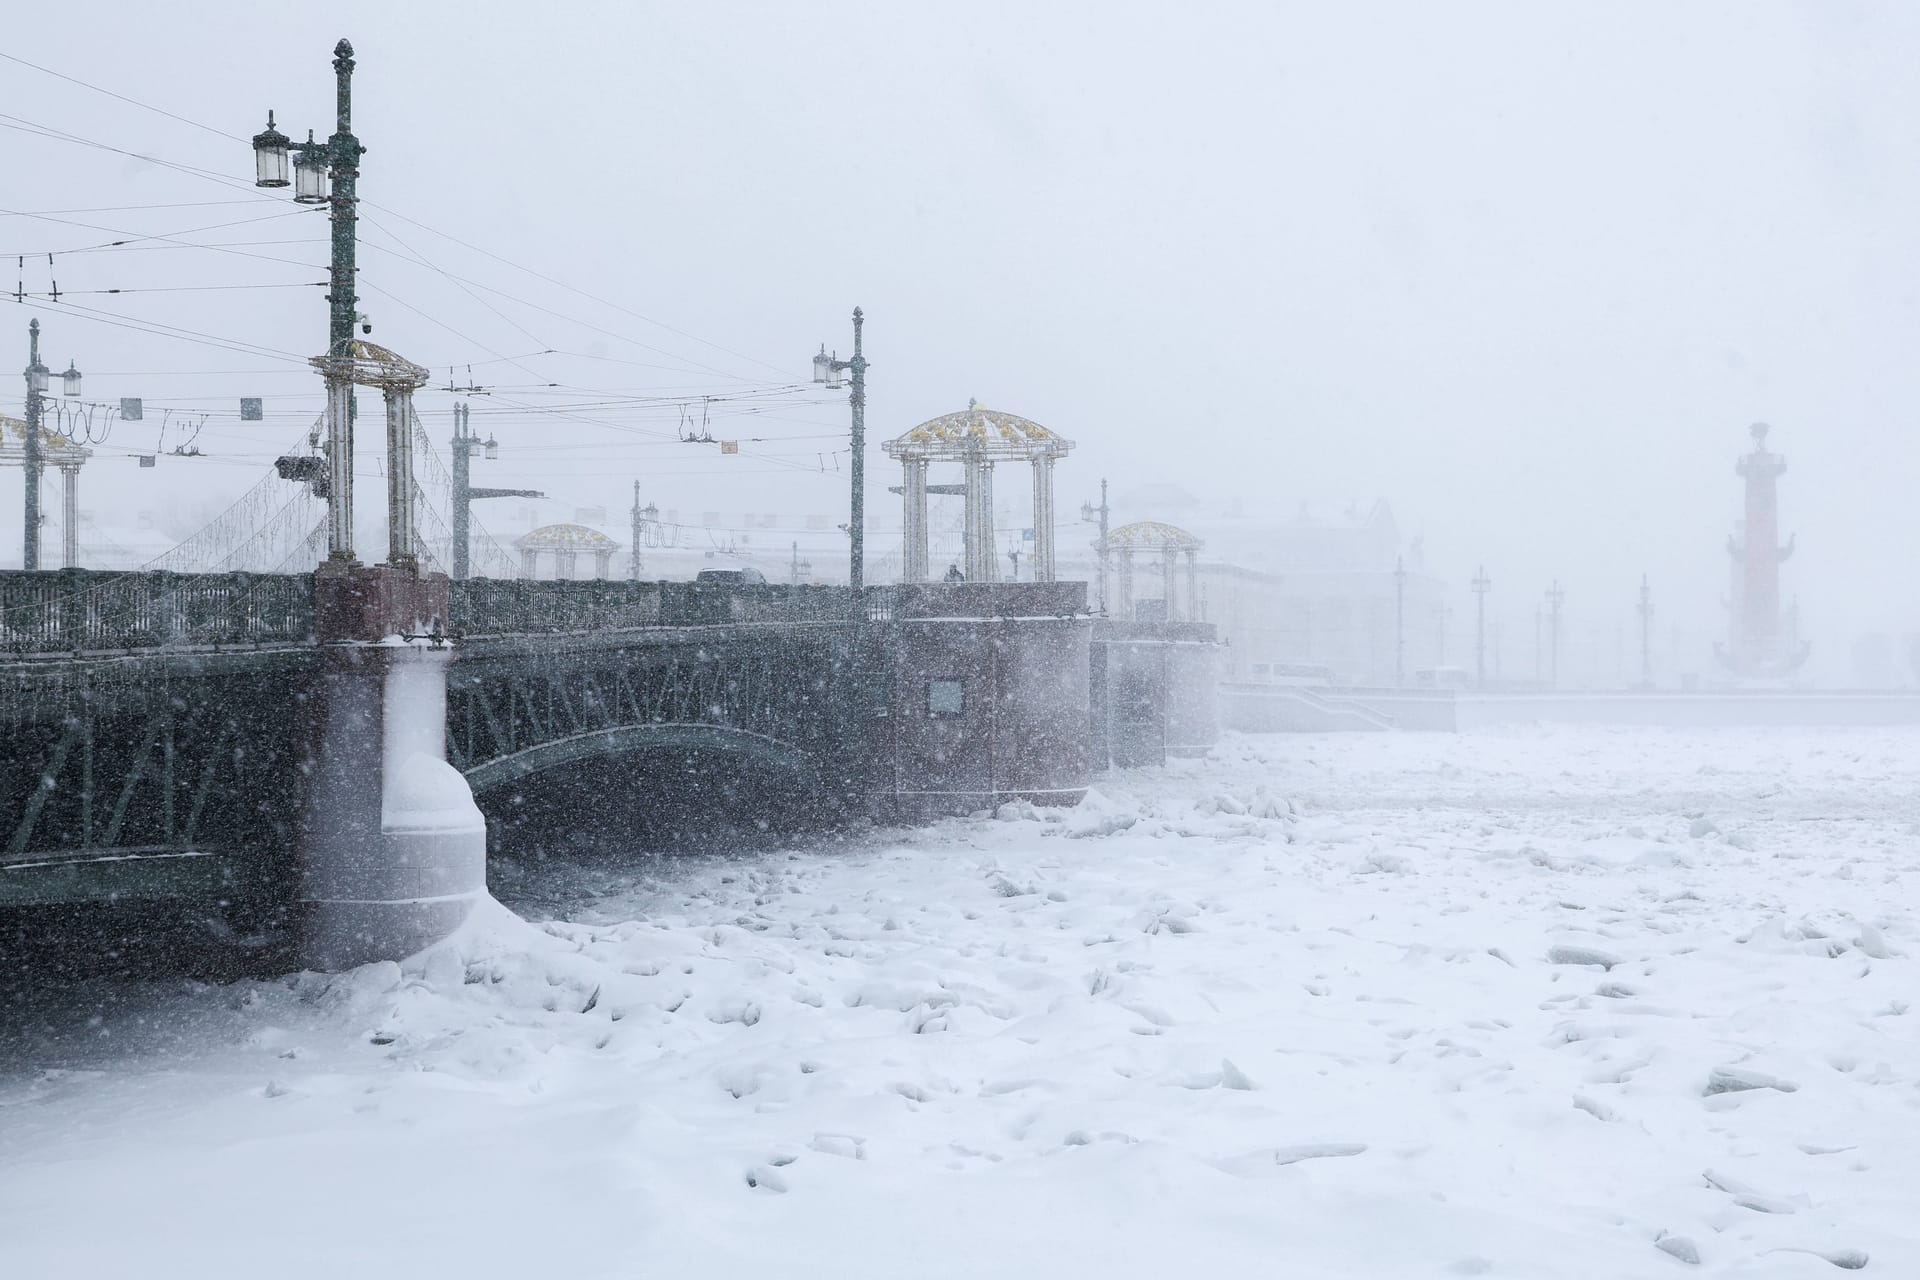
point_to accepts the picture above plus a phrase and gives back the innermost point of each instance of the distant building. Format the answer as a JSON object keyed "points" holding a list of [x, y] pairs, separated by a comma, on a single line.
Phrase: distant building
{"points": [[1312, 592]]}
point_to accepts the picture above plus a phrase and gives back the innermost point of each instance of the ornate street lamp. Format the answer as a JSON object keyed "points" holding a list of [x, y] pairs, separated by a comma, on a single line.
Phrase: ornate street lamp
{"points": [[826, 372], [326, 173]]}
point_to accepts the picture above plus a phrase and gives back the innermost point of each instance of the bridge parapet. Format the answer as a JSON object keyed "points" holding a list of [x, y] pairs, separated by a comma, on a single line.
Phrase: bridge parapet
{"points": [[515, 606], [488, 607], [977, 600], [70, 611]]}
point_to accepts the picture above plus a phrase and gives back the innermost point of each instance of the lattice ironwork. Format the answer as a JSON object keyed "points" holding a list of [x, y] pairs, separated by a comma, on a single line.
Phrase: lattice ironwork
{"points": [[70, 611]]}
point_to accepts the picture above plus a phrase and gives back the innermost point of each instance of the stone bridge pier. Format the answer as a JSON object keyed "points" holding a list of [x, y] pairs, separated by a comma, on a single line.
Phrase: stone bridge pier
{"points": [[392, 855]]}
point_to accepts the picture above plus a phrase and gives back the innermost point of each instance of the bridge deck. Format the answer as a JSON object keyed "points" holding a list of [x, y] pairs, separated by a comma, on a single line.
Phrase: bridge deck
{"points": [[161, 726]]}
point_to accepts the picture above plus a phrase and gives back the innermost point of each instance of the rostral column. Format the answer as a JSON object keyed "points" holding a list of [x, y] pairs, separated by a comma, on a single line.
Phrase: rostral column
{"points": [[1758, 647]]}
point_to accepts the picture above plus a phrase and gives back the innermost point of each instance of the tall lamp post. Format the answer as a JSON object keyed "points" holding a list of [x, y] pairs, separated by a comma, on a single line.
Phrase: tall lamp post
{"points": [[1098, 515], [1481, 585], [642, 517], [1399, 622], [826, 371], [326, 173], [464, 445], [35, 459], [1646, 634], [1555, 598]]}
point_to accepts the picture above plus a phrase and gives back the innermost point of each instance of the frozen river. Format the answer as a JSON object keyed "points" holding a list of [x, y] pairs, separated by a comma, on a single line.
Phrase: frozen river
{"points": [[1543, 1003]]}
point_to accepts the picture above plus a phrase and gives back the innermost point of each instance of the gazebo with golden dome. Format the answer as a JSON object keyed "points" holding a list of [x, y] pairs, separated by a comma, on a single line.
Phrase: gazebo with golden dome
{"points": [[976, 438], [1169, 543], [565, 543]]}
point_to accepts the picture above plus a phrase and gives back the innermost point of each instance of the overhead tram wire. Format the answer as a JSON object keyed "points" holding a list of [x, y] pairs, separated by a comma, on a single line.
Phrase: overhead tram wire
{"points": [[574, 289], [468, 285], [133, 237], [235, 184], [144, 106], [421, 259], [22, 124], [235, 345], [179, 288], [133, 208]]}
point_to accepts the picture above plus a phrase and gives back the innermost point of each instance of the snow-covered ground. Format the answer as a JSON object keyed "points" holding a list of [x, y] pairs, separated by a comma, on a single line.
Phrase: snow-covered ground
{"points": [[1548, 1002]]}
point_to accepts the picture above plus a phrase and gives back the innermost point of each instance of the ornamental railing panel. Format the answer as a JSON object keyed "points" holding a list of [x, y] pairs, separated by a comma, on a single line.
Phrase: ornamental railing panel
{"points": [[66, 611]]}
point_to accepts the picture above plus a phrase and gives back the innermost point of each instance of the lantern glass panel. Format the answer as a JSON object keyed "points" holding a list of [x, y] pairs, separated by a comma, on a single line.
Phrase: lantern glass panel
{"points": [[72, 379], [310, 178], [270, 156], [822, 366], [37, 380]]}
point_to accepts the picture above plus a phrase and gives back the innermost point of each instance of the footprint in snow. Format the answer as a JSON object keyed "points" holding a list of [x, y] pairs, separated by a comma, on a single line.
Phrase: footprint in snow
{"points": [[1567, 954], [1317, 1151], [844, 1145], [1845, 1259], [1740, 1080], [1268, 1161], [767, 1177]]}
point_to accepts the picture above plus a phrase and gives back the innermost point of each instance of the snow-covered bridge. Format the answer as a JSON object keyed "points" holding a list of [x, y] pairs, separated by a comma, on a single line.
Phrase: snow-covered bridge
{"points": [[305, 752]]}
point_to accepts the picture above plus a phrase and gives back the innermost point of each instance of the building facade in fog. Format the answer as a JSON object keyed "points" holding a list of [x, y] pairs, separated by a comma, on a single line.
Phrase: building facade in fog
{"points": [[1310, 593]]}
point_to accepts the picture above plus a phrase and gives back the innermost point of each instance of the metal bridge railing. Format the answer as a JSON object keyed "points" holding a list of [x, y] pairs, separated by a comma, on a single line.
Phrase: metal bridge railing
{"points": [[491, 607], [519, 606], [88, 610]]}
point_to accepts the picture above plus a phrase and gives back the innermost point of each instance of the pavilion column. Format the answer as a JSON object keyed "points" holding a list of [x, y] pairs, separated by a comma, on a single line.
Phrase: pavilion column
{"points": [[913, 509], [402, 549], [529, 563], [1126, 584], [1043, 518], [602, 563], [979, 519], [1169, 562], [339, 375], [70, 517], [1193, 585]]}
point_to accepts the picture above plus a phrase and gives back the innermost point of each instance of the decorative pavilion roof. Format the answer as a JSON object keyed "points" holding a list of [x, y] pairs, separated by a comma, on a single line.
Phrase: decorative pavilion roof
{"points": [[56, 449], [375, 366], [1152, 535], [565, 537], [976, 432]]}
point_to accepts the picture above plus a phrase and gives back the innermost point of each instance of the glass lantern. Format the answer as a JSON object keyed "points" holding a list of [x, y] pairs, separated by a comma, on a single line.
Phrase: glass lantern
{"points": [[835, 380], [822, 365], [310, 174], [493, 447], [37, 378], [270, 156], [71, 380]]}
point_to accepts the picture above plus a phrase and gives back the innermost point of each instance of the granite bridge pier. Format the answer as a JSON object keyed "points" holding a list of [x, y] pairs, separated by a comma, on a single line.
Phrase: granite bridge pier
{"points": [[317, 757]]}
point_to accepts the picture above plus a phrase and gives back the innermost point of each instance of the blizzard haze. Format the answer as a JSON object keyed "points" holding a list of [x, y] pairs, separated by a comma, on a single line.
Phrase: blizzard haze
{"points": [[1526, 272]]}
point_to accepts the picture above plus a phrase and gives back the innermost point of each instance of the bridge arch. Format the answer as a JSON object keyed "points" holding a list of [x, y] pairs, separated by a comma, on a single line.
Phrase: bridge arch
{"points": [[628, 739]]}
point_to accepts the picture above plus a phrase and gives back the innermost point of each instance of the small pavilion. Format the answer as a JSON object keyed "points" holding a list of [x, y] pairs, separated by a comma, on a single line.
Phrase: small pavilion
{"points": [[1170, 543], [56, 450], [976, 438], [565, 543]]}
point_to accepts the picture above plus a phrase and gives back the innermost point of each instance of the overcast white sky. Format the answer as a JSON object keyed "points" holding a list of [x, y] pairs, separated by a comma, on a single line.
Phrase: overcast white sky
{"points": [[1527, 271]]}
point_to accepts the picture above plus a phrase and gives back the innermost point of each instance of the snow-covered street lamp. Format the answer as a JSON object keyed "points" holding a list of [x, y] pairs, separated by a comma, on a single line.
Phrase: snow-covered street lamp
{"points": [[826, 372], [326, 173]]}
